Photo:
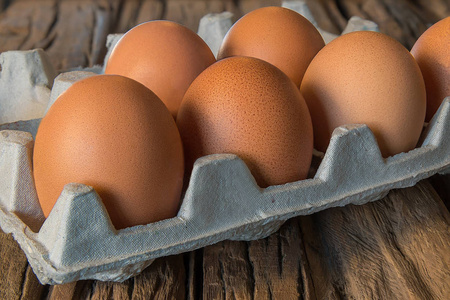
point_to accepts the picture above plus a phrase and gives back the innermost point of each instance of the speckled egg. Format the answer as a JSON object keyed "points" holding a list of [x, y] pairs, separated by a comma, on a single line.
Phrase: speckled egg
{"points": [[277, 35], [250, 108], [162, 55], [114, 134], [432, 53], [366, 78]]}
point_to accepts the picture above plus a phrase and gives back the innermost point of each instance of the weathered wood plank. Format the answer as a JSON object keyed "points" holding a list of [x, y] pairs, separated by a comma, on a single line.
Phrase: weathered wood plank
{"points": [[403, 20], [134, 12], [245, 6], [194, 271], [24, 24], [18, 280], [126, 15], [73, 290], [32, 288], [13, 266], [272, 268], [412, 23], [322, 17], [278, 264], [189, 13], [441, 183], [41, 19], [111, 290], [3, 5], [72, 35], [164, 279], [149, 10], [393, 248], [434, 9], [227, 273], [335, 14]]}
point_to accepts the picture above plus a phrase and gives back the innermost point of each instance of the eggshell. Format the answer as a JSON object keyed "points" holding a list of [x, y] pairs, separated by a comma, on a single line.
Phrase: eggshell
{"points": [[162, 55], [367, 78], [248, 107], [114, 134], [277, 35], [432, 53]]}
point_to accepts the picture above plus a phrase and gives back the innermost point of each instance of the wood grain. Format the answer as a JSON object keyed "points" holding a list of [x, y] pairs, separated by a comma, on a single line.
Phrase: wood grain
{"points": [[270, 268], [32, 288], [131, 13], [395, 248], [14, 263], [226, 271], [441, 184], [433, 9], [189, 13], [74, 290], [3, 5], [164, 279]]}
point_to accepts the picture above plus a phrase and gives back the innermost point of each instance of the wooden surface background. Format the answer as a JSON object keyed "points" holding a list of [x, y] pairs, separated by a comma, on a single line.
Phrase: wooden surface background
{"points": [[394, 248]]}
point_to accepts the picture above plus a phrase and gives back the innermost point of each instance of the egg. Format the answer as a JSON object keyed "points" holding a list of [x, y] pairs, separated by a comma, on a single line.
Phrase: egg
{"points": [[248, 107], [432, 53], [114, 134], [366, 78], [162, 55], [277, 35]]}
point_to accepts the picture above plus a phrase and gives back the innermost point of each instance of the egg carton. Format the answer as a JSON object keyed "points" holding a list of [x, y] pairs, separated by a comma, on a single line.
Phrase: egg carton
{"points": [[222, 201], [25, 82]]}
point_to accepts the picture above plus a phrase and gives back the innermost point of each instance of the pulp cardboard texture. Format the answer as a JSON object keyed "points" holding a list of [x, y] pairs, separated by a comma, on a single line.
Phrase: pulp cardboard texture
{"points": [[222, 201], [63, 81], [25, 81], [213, 28]]}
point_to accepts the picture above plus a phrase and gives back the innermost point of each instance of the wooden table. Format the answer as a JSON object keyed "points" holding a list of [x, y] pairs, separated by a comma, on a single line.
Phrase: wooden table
{"points": [[394, 248]]}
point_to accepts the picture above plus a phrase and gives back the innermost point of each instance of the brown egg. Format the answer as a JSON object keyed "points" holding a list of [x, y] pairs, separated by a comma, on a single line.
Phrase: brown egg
{"points": [[432, 53], [366, 78], [248, 107], [277, 35], [114, 134], [162, 55]]}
